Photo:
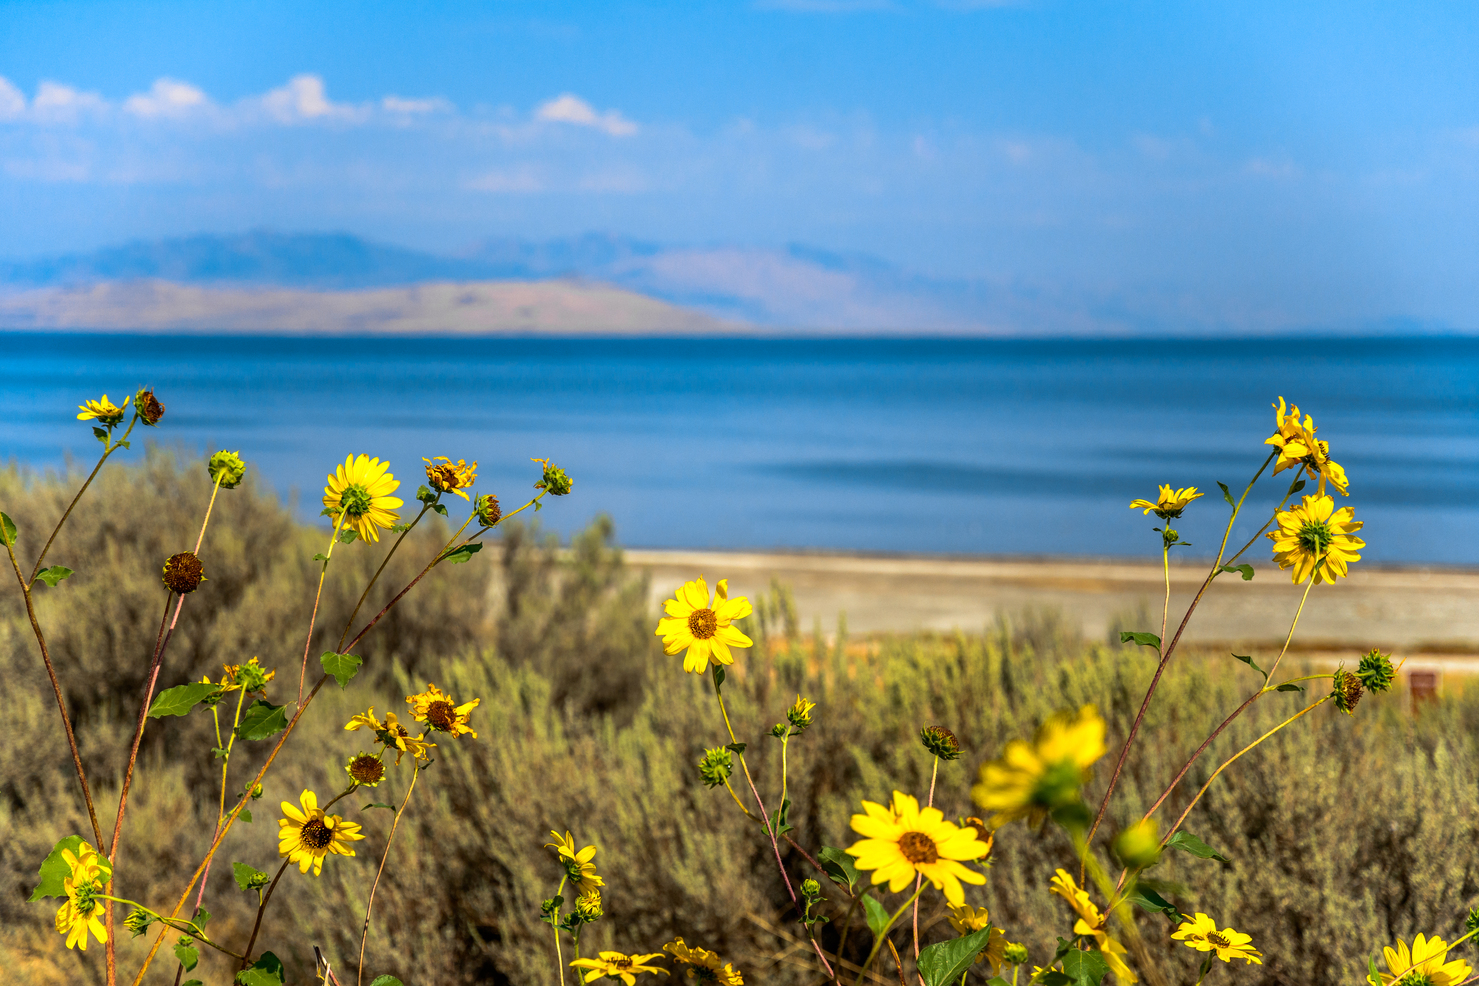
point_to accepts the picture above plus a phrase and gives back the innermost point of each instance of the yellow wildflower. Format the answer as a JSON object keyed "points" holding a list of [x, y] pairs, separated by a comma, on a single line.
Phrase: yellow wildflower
{"points": [[1299, 449], [702, 626], [449, 478], [903, 840], [82, 912], [1092, 923], [392, 735], [360, 489], [703, 964], [1030, 779], [1316, 531], [966, 919], [578, 865], [1169, 504], [1201, 933], [103, 410], [306, 836], [1424, 963], [615, 965], [441, 712]]}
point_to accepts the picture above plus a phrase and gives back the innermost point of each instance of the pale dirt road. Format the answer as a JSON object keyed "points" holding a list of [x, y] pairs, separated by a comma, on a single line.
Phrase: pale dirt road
{"points": [[1429, 615]]}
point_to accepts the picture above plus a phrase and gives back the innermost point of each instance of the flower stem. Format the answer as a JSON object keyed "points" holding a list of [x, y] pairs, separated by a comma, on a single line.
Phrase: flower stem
{"points": [[555, 924], [313, 618], [365, 932], [256, 925], [883, 933], [107, 451], [919, 880], [383, 562]]}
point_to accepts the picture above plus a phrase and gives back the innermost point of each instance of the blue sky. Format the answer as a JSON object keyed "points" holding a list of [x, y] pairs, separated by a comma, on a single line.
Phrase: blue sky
{"points": [[1319, 161]]}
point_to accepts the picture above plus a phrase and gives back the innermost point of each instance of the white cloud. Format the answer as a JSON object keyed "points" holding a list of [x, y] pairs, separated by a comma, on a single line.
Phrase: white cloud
{"points": [[167, 98], [56, 103], [522, 181], [303, 98], [414, 107], [569, 108], [12, 100]]}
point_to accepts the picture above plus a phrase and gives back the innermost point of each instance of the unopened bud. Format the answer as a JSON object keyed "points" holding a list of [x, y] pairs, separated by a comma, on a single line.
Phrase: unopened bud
{"points": [[1014, 953], [799, 715], [716, 766], [228, 468], [1375, 671], [810, 888], [940, 741], [1139, 846]]}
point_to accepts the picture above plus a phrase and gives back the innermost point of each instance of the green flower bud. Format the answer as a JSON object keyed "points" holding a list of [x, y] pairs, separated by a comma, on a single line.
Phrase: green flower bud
{"points": [[716, 766], [138, 921], [551, 905], [810, 888], [229, 467], [1139, 846], [940, 741], [780, 730], [1014, 953], [1376, 671]]}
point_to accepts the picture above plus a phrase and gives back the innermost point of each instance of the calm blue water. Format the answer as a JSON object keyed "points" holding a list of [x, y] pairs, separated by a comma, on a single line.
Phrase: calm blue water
{"points": [[871, 444]]}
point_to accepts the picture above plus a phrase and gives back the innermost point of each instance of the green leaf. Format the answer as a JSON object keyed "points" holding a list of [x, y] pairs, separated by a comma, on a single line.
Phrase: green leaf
{"points": [[778, 823], [1189, 843], [178, 701], [7, 529], [1055, 979], [877, 915], [737, 747], [320, 557], [201, 919], [1141, 638], [51, 576], [261, 720], [266, 971], [1245, 570], [248, 877], [189, 957], [945, 962], [440, 508], [1289, 686], [425, 495], [386, 981], [1227, 495], [1149, 900], [1296, 486], [1374, 975], [464, 553], [245, 816], [328, 512], [997, 981], [718, 676], [342, 666], [377, 804], [839, 866], [1249, 661], [1085, 968], [348, 536], [54, 869], [192, 982], [399, 528], [101, 434]]}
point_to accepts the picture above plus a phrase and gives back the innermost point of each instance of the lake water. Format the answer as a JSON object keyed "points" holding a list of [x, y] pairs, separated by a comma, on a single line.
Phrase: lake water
{"points": [[918, 445]]}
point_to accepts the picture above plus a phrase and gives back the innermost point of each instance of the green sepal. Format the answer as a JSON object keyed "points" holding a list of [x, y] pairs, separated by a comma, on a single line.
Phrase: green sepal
{"points": [[189, 957], [1244, 569], [876, 914], [7, 530], [377, 804], [1289, 686], [945, 962], [386, 981], [342, 666], [54, 870], [1249, 661], [51, 576], [1189, 843], [1140, 637], [1086, 968], [839, 866], [1227, 495], [178, 701], [463, 553], [261, 720], [266, 971]]}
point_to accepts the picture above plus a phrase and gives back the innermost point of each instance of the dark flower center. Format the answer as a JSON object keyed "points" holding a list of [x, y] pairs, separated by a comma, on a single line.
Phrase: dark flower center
{"points": [[918, 848], [183, 572], [621, 963], [441, 715], [703, 623], [1315, 537], [316, 835], [355, 501], [367, 769], [1218, 940]]}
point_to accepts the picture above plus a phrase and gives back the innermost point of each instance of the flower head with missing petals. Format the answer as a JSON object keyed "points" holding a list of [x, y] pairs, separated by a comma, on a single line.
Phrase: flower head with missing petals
{"points": [[703, 627], [392, 735], [444, 476], [1092, 923], [1315, 539], [307, 835], [365, 769], [1200, 932], [703, 964], [441, 712], [360, 489], [1169, 504], [82, 912], [903, 840], [577, 862], [103, 411], [147, 406], [1298, 448]]}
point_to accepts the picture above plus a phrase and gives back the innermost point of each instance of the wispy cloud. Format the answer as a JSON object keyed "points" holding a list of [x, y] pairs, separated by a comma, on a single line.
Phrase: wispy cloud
{"points": [[169, 98], [57, 103], [12, 100], [305, 98], [569, 108], [402, 106]]}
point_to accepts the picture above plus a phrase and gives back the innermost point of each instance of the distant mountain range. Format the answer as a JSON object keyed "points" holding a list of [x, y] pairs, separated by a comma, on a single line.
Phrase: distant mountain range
{"points": [[794, 287]]}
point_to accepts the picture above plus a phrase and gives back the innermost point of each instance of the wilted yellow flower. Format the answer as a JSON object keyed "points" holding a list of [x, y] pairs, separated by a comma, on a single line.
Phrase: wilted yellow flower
{"points": [[1201, 933], [250, 676], [1092, 923], [1424, 962], [443, 476], [1169, 504], [1313, 531], [441, 712], [392, 734], [616, 965], [701, 626], [966, 919], [361, 489], [903, 840], [703, 964], [577, 863], [103, 410], [306, 836], [1298, 448], [82, 912], [1030, 779]]}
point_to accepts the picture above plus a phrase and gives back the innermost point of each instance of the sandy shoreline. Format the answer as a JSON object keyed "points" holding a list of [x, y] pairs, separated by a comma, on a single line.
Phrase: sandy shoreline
{"points": [[1431, 615]]}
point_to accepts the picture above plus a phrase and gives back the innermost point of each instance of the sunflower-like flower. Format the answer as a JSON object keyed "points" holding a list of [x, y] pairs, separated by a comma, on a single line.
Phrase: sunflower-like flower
{"points": [[104, 410], [365, 769], [1423, 963], [1030, 779], [1169, 504], [1092, 923], [588, 906], [250, 676], [360, 489], [966, 919], [903, 840], [799, 714], [306, 836], [82, 912], [1299, 448], [701, 626], [441, 712], [616, 965], [578, 866], [445, 477], [1316, 532], [703, 964], [1200, 932], [392, 735]]}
